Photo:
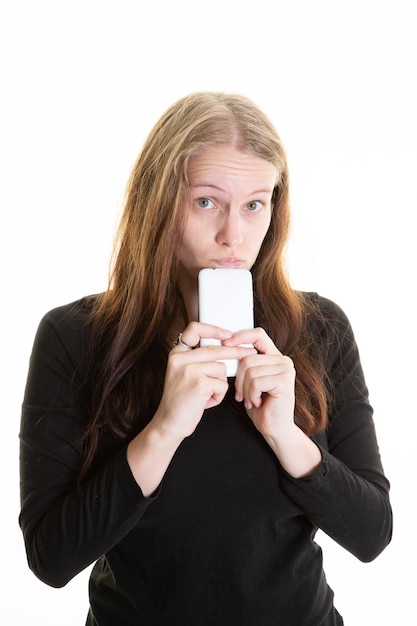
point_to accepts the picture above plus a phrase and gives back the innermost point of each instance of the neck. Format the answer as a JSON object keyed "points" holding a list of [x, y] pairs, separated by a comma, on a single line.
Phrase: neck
{"points": [[191, 305], [189, 291]]}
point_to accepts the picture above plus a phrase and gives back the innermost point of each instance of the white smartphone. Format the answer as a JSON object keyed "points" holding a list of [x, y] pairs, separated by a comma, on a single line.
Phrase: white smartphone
{"points": [[225, 299]]}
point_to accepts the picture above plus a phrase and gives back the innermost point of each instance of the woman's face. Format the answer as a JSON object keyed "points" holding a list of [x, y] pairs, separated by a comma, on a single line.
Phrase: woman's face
{"points": [[229, 210]]}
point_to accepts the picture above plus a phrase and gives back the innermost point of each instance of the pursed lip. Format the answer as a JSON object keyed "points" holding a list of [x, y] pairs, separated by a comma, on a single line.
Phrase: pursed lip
{"points": [[228, 262]]}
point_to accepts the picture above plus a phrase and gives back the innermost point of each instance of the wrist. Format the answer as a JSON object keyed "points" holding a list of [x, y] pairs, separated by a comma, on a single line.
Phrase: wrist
{"points": [[149, 455], [163, 432], [297, 453]]}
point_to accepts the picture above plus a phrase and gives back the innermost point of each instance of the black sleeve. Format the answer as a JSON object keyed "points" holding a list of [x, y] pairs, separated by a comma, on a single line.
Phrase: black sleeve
{"points": [[348, 496], [65, 531]]}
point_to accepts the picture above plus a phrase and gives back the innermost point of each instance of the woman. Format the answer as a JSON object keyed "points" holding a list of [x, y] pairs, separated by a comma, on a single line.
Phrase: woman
{"points": [[199, 496]]}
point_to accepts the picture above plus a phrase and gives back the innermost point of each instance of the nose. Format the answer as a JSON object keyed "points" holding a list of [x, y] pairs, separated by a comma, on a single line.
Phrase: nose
{"points": [[230, 230]]}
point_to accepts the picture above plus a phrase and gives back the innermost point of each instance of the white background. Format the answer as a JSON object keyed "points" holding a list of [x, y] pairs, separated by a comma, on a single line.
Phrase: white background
{"points": [[82, 82]]}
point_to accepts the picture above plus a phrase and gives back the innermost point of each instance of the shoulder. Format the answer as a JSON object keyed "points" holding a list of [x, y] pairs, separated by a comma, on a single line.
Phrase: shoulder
{"points": [[323, 313], [328, 327], [70, 317], [58, 364], [72, 311], [65, 327], [328, 308]]}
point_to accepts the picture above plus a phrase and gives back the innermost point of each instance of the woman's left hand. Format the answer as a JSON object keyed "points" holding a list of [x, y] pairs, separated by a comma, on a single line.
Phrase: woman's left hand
{"points": [[265, 382]]}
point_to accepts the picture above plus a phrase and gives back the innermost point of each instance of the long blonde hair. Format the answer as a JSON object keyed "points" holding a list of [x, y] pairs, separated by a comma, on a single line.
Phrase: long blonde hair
{"points": [[129, 329]]}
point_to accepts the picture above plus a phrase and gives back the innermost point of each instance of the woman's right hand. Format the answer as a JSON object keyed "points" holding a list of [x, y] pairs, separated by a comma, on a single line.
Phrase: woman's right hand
{"points": [[195, 378]]}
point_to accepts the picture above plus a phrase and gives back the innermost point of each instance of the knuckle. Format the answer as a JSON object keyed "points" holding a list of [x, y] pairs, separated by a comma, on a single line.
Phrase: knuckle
{"points": [[175, 359], [192, 327], [289, 362], [254, 384]]}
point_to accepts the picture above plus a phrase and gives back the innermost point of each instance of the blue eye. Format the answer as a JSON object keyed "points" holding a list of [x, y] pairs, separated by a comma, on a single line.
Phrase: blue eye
{"points": [[205, 203], [255, 205]]}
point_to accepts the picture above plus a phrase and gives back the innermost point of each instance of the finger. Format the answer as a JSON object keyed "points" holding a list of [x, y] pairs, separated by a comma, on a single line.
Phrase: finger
{"points": [[195, 331], [256, 337], [180, 342], [210, 380], [255, 365], [259, 386], [190, 390], [182, 356], [218, 391], [272, 374], [255, 386]]}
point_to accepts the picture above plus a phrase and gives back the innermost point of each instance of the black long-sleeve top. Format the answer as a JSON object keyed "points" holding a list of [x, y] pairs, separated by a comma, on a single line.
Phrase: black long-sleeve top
{"points": [[228, 538]]}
